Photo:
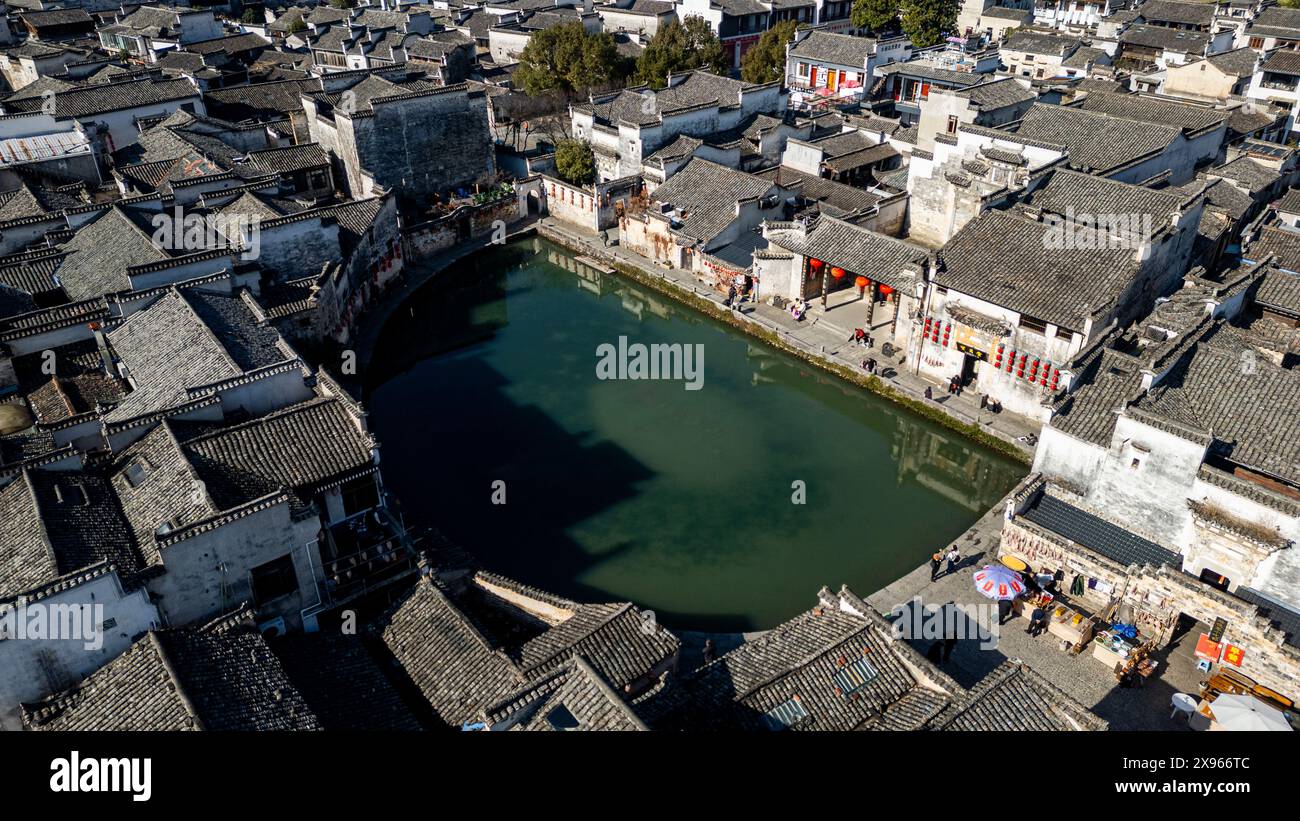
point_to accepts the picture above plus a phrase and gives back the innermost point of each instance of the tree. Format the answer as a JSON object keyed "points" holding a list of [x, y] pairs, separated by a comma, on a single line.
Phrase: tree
{"points": [[875, 15], [566, 58], [1290, 4], [765, 62], [252, 16], [925, 21], [677, 47], [575, 162]]}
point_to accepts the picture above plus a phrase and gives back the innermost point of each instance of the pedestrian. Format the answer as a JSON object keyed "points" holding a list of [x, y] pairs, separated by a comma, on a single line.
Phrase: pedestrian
{"points": [[731, 295], [1004, 611], [929, 394], [935, 561], [1037, 622], [710, 652], [953, 557]]}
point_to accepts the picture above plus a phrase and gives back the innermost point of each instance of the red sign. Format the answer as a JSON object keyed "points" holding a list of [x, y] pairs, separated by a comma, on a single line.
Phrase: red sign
{"points": [[1207, 649], [1232, 654]]}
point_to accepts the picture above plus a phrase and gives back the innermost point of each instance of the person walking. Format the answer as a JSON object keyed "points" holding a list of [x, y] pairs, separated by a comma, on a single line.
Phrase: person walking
{"points": [[935, 562], [953, 557]]}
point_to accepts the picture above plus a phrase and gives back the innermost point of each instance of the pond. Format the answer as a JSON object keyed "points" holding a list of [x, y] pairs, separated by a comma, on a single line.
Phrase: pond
{"points": [[720, 503]]}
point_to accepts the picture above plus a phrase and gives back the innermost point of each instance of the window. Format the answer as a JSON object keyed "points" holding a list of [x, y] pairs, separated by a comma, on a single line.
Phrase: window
{"points": [[1031, 324], [785, 715], [803, 70], [274, 579], [854, 677], [1257, 42], [952, 123], [135, 473]]}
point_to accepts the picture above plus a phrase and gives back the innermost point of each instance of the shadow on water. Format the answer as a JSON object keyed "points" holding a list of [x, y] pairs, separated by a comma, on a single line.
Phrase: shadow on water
{"points": [[679, 501]]}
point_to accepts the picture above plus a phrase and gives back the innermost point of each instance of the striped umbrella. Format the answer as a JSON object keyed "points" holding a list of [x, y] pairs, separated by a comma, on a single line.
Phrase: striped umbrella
{"points": [[999, 583]]}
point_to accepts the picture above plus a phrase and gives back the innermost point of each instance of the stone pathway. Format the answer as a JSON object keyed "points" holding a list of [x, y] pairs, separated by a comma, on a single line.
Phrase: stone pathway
{"points": [[818, 335]]}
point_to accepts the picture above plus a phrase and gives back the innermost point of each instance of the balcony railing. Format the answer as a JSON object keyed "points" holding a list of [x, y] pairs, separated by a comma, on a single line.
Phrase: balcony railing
{"points": [[364, 552]]}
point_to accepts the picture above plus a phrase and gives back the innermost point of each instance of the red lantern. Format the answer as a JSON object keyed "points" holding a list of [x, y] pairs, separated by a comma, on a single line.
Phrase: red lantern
{"points": [[838, 273], [815, 264], [947, 330], [885, 290], [861, 282], [1056, 378], [997, 358]]}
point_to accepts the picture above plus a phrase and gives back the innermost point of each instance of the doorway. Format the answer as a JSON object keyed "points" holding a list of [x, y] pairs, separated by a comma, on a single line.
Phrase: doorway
{"points": [[969, 369]]}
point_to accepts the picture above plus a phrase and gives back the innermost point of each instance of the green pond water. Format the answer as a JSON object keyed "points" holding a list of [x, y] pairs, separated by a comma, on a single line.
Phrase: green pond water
{"points": [[679, 500]]}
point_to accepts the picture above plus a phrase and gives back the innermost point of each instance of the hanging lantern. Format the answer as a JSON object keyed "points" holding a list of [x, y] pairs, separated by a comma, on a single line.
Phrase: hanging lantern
{"points": [[862, 282], [838, 273], [885, 290], [947, 330], [1056, 378], [997, 358], [815, 264]]}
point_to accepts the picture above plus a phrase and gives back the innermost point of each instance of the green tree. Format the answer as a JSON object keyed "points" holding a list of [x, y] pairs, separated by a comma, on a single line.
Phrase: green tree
{"points": [[765, 62], [252, 16], [875, 15], [926, 21], [677, 47], [566, 58], [575, 162], [1290, 4]]}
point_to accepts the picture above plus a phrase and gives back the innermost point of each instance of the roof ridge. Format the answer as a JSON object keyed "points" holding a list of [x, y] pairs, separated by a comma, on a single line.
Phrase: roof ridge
{"points": [[177, 683]]}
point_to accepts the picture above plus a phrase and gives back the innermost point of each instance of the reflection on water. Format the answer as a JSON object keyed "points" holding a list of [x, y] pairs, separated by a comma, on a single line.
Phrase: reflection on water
{"points": [[678, 500]]}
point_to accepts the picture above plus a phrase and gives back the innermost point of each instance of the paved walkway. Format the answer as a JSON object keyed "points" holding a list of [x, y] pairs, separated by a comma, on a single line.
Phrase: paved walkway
{"points": [[825, 336], [1088, 681]]}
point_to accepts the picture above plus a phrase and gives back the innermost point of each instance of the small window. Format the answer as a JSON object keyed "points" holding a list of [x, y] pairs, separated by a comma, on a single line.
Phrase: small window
{"points": [[274, 579], [561, 719], [1135, 464], [952, 123], [1031, 324], [785, 715], [135, 473]]}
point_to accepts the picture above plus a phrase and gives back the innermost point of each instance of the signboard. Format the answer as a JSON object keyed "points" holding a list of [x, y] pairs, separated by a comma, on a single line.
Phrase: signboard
{"points": [[975, 352], [1232, 654], [1206, 649], [1216, 632], [973, 339]]}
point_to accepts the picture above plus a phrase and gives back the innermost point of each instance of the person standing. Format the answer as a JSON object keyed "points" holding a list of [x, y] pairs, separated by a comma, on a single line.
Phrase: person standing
{"points": [[953, 557], [935, 562]]}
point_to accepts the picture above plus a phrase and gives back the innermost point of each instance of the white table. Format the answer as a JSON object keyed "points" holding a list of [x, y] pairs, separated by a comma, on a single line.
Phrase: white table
{"points": [[1183, 703]]}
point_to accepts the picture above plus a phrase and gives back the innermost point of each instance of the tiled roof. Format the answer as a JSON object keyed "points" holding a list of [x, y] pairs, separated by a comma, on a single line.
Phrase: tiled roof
{"points": [[1251, 415], [1164, 38], [1066, 192], [1255, 176], [1012, 697], [844, 199], [186, 339], [706, 194], [1185, 116], [341, 682], [462, 668], [99, 254], [574, 697], [1239, 62], [1095, 140], [1169, 11], [1285, 616], [1282, 61], [221, 676], [100, 99], [839, 49], [1006, 259], [1280, 290], [1282, 242], [1097, 534], [1289, 202], [1276, 21], [1036, 42], [855, 249], [997, 94], [795, 671]]}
